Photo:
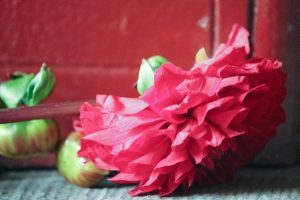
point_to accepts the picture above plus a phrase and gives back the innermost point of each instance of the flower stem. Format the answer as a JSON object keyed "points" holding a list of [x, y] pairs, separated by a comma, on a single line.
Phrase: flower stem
{"points": [[42, 111]]}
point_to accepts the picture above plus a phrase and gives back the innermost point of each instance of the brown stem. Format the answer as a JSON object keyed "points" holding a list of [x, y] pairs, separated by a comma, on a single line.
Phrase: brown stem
{"points": [[43, 111]]}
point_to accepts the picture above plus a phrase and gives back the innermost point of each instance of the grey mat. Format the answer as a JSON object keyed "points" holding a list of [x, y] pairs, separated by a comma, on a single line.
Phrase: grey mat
{"points": [[279, 183]]}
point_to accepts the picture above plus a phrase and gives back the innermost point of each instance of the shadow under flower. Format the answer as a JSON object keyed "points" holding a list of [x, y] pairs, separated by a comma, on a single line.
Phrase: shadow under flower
{"points": [[252, 182]]}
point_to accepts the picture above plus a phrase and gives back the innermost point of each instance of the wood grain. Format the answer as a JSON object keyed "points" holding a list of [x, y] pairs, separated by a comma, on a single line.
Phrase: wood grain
{"points": [[226, 14]]}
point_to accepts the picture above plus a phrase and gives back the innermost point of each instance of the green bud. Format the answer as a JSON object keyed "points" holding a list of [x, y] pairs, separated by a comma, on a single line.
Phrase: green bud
{"points": [[77, 170], [200, 56], [39, 87], [12, 91], [28, 138], [147, 70], [26, 88]]}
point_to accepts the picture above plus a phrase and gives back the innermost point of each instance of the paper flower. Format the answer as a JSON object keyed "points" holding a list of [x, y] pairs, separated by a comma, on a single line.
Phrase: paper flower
{"points": [[195, 126]]}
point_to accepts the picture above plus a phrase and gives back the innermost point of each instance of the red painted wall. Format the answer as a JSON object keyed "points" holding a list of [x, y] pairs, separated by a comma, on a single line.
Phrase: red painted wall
{"points": [[96, 46], [103, 32]]}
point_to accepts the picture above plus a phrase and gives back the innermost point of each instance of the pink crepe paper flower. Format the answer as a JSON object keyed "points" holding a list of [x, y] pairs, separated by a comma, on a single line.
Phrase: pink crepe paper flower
{"points": [[195, 126]]}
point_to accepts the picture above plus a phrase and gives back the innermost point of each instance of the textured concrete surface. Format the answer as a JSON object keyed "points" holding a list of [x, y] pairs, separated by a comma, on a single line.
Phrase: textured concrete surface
{"points": [[258, 183]]}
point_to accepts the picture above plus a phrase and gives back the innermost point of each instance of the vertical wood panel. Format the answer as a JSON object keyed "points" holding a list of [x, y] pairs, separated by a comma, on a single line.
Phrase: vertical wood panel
{"points": [[227, 13], [277, 36]]}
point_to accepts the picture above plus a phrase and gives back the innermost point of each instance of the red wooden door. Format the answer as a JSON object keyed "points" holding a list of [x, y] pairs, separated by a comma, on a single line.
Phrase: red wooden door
{"points": [[96, 46]]}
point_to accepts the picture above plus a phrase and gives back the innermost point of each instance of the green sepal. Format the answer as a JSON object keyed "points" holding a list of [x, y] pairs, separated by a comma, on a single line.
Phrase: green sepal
{"points": [[156, 61], [12, 91], [147, 71], [39, 87]]}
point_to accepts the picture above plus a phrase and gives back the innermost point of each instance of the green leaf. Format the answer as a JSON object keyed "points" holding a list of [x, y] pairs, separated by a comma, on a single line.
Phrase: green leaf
{"points": [[39, 87], [146, 73], [12, 91]]}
